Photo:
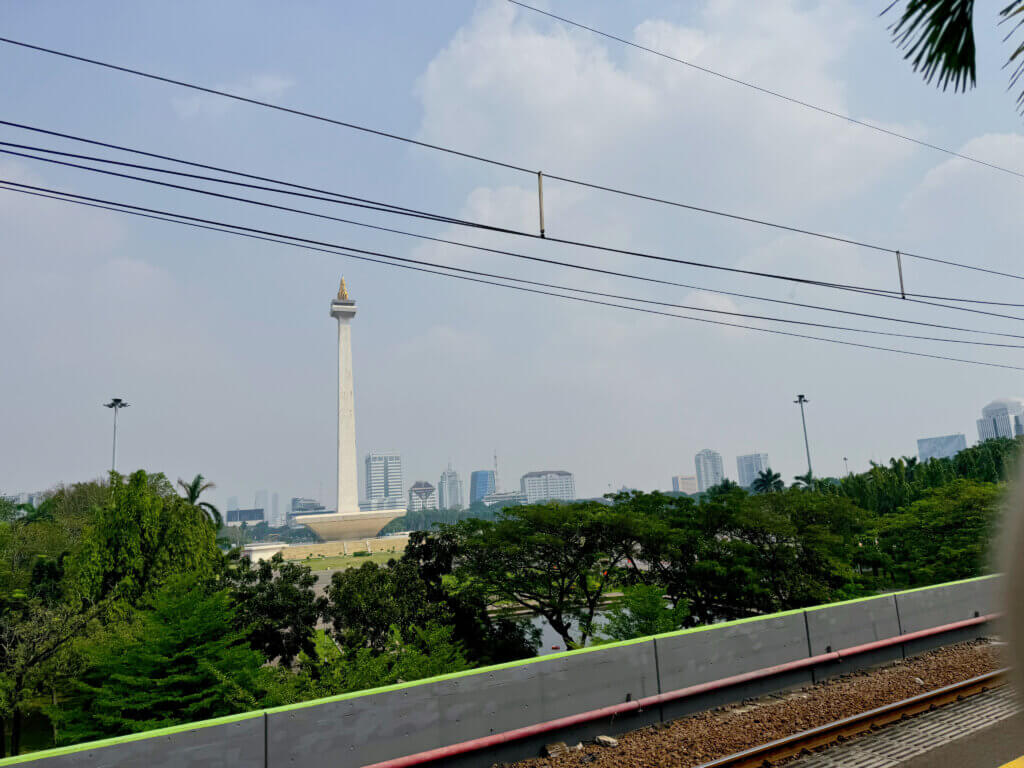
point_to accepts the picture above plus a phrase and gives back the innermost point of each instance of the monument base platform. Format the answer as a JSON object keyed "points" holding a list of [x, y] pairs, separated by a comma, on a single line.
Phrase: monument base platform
{"points": [[343, 526]]}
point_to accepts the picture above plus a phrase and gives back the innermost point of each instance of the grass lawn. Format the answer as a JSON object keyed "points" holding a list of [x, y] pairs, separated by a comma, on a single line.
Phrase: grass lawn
{"points": [[342, 562]]}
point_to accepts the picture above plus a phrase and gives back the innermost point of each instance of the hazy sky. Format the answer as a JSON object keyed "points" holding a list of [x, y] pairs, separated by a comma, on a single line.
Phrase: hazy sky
{"points": [[224, 346]]}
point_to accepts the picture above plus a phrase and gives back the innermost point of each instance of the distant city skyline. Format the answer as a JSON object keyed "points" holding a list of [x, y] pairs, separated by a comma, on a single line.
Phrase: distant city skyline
{"points": [[1001, 418]]}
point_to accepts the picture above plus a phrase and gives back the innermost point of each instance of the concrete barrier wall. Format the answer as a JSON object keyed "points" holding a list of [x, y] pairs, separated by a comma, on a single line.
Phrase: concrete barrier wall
{"points": [[944, 604], [931, 606], [353, 730], [705, 654], [844, 625], [370, 726], [223, 743]]}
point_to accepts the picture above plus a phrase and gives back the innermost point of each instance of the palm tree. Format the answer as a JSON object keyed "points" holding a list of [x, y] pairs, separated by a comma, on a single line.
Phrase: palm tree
{"points": [[767, 482], [192, 492], [723, 488], [804, 481]]}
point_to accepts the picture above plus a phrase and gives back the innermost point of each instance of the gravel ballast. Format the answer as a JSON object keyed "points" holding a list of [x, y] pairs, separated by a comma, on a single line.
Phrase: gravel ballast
{"points": [[708, 735]]}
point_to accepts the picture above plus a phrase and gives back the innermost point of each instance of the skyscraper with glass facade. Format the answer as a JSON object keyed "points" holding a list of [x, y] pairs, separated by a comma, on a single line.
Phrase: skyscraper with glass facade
{"points": [[481, 483]]}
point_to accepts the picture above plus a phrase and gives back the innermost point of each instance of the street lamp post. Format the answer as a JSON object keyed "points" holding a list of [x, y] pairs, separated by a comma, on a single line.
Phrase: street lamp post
{"points": [[116, 404], [800, 400], [846, 464]]}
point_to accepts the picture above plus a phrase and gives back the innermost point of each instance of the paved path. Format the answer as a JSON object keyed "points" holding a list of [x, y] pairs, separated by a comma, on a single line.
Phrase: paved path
{"points": [[983, 731]]}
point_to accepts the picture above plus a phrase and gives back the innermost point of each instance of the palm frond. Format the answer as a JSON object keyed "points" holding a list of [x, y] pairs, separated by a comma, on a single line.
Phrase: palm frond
{"points": [[1014, 12], [213, 512], [938, 37]]}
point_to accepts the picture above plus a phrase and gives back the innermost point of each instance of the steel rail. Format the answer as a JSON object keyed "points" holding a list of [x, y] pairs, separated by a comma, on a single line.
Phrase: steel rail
{"points": [[822, 735]]}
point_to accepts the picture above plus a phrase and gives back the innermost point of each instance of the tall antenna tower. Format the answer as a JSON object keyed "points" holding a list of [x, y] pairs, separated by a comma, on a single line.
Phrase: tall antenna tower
{"points": [[497, 483]]}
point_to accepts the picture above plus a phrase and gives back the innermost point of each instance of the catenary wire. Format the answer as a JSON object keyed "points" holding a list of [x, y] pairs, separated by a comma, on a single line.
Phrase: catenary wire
{"points": [[487, 249], [343, 251], [397, 208], [599, 270], [382, 208], [507, 165], [388, 208], [770, 92]]}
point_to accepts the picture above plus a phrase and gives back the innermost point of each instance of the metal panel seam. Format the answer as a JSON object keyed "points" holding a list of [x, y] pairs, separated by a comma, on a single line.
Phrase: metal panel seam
{"points": [[810, 651], [657, 679], [899, 624]]}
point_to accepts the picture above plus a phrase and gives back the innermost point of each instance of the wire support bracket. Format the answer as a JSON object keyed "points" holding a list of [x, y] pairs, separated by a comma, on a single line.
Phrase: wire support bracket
{"points": [[899, 268], [540, 200]]}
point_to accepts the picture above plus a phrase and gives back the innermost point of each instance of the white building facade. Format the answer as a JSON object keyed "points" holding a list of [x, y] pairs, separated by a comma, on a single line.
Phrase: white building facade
{"points": [[548, 485], [748, 467], [1001, 418], [710, 473], [384, 476], [449, 490], [684, 484]]}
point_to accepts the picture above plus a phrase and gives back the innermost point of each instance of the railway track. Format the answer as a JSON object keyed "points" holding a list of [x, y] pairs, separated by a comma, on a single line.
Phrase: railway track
{"points": [[799, 743]]}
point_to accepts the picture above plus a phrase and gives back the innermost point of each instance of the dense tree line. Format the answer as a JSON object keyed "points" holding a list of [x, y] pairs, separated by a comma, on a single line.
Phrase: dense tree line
{"points": [[119, 611]]}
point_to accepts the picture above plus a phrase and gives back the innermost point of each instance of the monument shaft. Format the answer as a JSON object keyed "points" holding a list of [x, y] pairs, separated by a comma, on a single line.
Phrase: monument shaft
{"points": [[348, 494]]}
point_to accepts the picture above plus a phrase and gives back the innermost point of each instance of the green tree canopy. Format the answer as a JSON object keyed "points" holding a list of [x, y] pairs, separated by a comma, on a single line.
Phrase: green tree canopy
{"points": [[144, 534], [642, 612], [556, 559], [181, 659], [943, 536], [276, 605], [767, 482]]}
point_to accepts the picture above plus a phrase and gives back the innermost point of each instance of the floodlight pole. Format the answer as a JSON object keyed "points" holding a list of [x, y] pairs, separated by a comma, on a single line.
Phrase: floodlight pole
{"points": [[115, 404], [800, 400]]}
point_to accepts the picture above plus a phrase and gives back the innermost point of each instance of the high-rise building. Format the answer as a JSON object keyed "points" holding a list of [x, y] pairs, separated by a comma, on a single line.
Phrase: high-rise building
{"points": [[250, 517], [944, 447], [383, 475], [481, 483], [276, 519], [422, 496], [709, 469], [684, 484], [748, 467], [261, 500], [449, 489], [547, 485], [1001, 418], [232, 502]]}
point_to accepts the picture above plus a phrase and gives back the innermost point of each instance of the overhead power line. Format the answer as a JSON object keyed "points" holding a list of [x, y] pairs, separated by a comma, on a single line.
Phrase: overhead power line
{"points": [[770, 92], [504, 164], [389, 208], [355, 253], [499, 251]]}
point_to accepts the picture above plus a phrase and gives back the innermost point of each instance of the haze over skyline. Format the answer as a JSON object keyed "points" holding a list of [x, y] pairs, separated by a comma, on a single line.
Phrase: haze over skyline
{"points": [[225, 349]]}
